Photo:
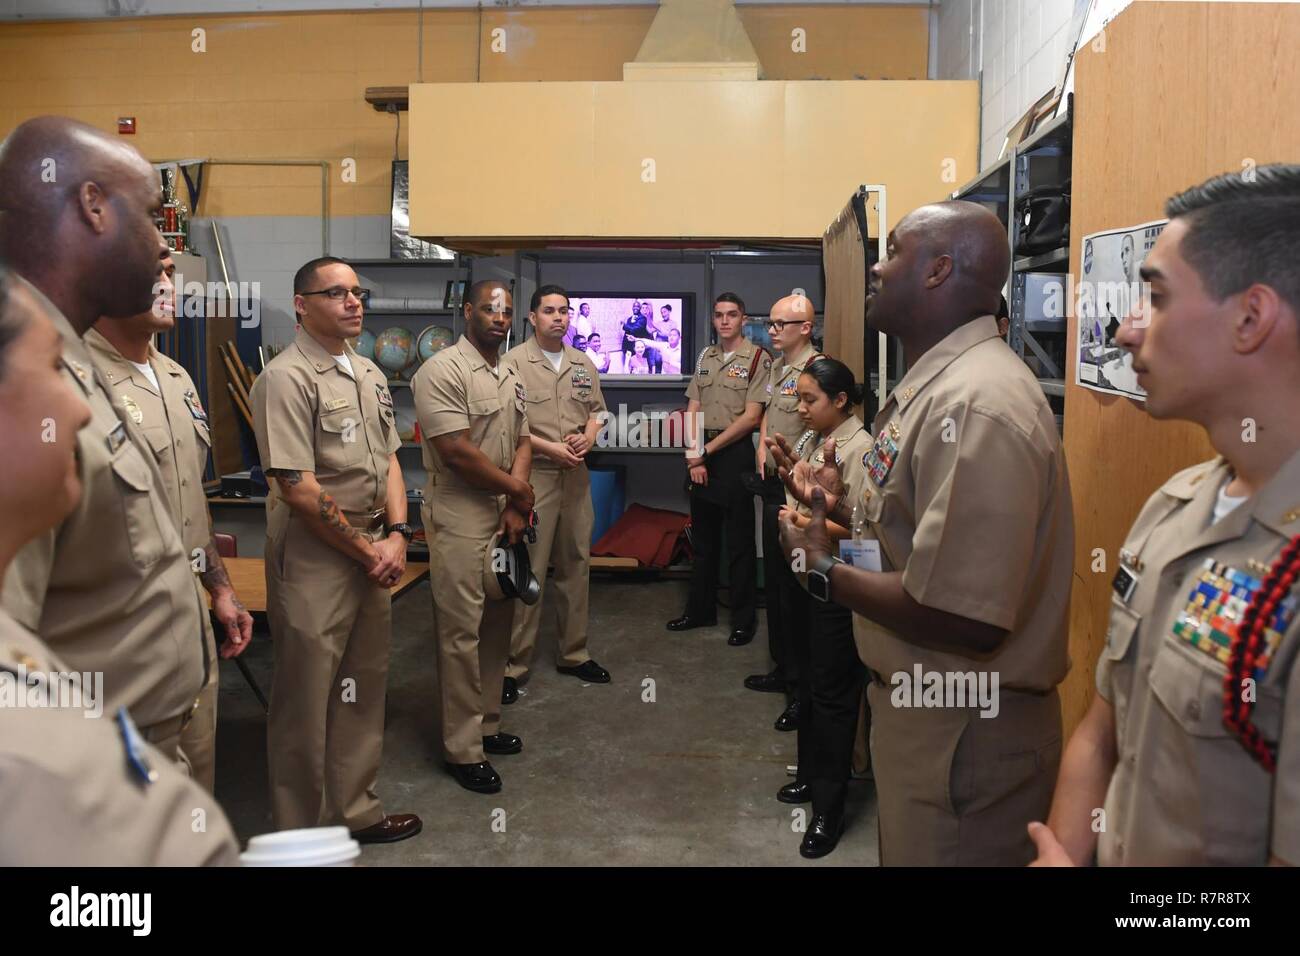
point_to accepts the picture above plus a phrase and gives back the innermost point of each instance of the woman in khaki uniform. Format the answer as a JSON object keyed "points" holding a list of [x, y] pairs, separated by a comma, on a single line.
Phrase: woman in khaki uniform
{"points": [[470, 406], [76, 790], [830, 688]]}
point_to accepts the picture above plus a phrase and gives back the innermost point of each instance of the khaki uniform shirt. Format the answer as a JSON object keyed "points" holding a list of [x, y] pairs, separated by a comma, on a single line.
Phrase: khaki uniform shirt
{"points": [[1185, 791], [310, 415], [558, 403], [111, 588], [782, 396], [724, 388], [457, 391], [70, 792], [966, 489], [173, 421], [851, 442]]}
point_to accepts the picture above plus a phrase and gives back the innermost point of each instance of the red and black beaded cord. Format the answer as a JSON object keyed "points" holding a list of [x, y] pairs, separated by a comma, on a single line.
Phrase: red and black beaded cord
{"points": [[1247, 647]]}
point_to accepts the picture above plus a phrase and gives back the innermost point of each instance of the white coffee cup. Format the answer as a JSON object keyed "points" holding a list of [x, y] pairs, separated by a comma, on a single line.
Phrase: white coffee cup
{"points": [[315, 846]]}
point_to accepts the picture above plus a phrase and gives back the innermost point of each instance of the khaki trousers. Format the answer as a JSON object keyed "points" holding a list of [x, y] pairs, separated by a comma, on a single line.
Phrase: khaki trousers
{"points": [[564, 521], [958, 789], [472, 634], [330, 629], [199, 738]]}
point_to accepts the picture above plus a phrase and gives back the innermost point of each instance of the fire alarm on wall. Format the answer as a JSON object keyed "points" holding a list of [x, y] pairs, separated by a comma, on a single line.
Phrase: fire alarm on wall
{"points": [[126, 125]]}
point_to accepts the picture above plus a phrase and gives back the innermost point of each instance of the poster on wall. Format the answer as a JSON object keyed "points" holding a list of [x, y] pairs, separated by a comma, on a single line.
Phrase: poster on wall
{"points": [[1108, 290]]}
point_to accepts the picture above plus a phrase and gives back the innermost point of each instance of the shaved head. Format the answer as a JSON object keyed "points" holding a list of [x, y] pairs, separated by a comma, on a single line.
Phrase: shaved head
{"points": [[787, 329], [76, 218], [946, 266]]}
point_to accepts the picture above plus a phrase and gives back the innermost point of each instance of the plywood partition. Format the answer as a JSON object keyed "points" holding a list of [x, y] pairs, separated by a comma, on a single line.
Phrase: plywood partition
{"points": [[1176, 93], [703, 159]]}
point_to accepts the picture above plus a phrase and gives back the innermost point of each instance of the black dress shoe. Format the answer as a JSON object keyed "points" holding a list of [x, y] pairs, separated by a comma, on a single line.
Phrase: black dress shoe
{"points": [[771, 683], [394, 827], [686, 623], [589, 671], [509, 690], [822, 836], [795, 792], [479, 777], [741, 636], [502, 744], [789, 719]]}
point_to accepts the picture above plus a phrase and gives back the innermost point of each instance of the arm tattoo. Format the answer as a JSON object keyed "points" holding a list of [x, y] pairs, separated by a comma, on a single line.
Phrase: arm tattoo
{"points": [[216, 577], [333, 517], [285, 476]]}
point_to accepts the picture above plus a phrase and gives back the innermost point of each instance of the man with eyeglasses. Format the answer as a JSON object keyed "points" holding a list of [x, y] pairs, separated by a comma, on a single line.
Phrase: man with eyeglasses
{"points": [[791, 329], [336, 543]]}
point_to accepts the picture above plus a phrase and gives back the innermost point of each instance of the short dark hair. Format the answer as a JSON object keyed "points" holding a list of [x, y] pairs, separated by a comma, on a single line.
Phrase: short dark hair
{"points": [[304, 276], [1244, 230], [665, 306], [542, 292], [833, 376], [731, 297], [473, 292]]}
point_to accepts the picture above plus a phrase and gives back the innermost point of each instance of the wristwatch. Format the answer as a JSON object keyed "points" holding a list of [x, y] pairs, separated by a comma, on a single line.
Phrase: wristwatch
{"points": [[404, 529], [819, 577]]}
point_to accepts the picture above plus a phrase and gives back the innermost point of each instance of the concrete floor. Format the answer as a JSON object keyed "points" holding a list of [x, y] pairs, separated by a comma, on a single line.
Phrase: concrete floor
{"points": [[604, 778]]}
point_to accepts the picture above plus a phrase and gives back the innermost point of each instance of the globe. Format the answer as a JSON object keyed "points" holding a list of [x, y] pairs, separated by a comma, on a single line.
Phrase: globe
{"points": [[365, 344], [394, 350], [432, 341]]}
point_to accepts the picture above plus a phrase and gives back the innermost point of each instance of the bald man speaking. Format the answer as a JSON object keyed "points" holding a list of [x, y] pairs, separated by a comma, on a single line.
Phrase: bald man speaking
{"points": [[111, 589], [963, 624]]}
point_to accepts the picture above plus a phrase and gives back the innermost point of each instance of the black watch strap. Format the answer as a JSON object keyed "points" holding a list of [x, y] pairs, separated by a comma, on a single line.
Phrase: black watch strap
{"points": [[402, 528]]}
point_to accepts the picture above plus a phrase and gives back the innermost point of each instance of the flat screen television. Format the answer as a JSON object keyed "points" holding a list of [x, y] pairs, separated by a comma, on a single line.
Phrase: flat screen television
{"points": [[634, 337]]}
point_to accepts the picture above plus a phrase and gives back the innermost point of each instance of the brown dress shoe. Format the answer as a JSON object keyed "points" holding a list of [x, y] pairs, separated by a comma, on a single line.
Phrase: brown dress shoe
{"points": [[394, 827]]}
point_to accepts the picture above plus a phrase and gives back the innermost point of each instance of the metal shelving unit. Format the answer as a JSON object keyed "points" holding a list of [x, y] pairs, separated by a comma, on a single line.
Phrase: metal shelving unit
{"points": [[1043, 158]]}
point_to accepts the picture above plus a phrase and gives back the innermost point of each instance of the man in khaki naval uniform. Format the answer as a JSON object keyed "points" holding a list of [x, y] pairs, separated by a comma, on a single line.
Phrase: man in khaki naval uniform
{"points": [[77, 785], [564, 402], [1179, 779], [725, 394], [160, 397], [471, 409], [336, 542], [110, 589], [966, 473], [791, 329]]}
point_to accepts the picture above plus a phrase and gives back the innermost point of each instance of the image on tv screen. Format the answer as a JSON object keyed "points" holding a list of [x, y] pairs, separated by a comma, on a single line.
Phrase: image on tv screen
{"points": [[632, 335]]}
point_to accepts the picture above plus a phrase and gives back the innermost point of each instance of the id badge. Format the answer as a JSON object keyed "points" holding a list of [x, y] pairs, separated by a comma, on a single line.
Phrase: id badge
{"points": [[863, 554]]}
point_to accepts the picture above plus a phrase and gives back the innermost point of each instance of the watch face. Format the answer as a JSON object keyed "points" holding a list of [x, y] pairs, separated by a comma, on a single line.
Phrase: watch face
{"points": [[819, 585]]}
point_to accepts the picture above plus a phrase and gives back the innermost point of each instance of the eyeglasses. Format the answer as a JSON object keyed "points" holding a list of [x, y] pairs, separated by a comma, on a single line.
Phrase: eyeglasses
{"points": [[778, 324], [338, 294]]}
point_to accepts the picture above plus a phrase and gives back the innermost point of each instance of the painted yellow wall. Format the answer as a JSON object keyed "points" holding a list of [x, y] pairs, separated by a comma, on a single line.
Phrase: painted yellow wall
{"points": [[290, 85], [760, 159]]}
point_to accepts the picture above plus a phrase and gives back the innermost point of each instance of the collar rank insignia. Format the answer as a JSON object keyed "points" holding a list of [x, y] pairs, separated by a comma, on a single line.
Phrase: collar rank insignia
{"points": [[77, 369], [384, 395], [133, 409], [880, 459], [1210, 619]]}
